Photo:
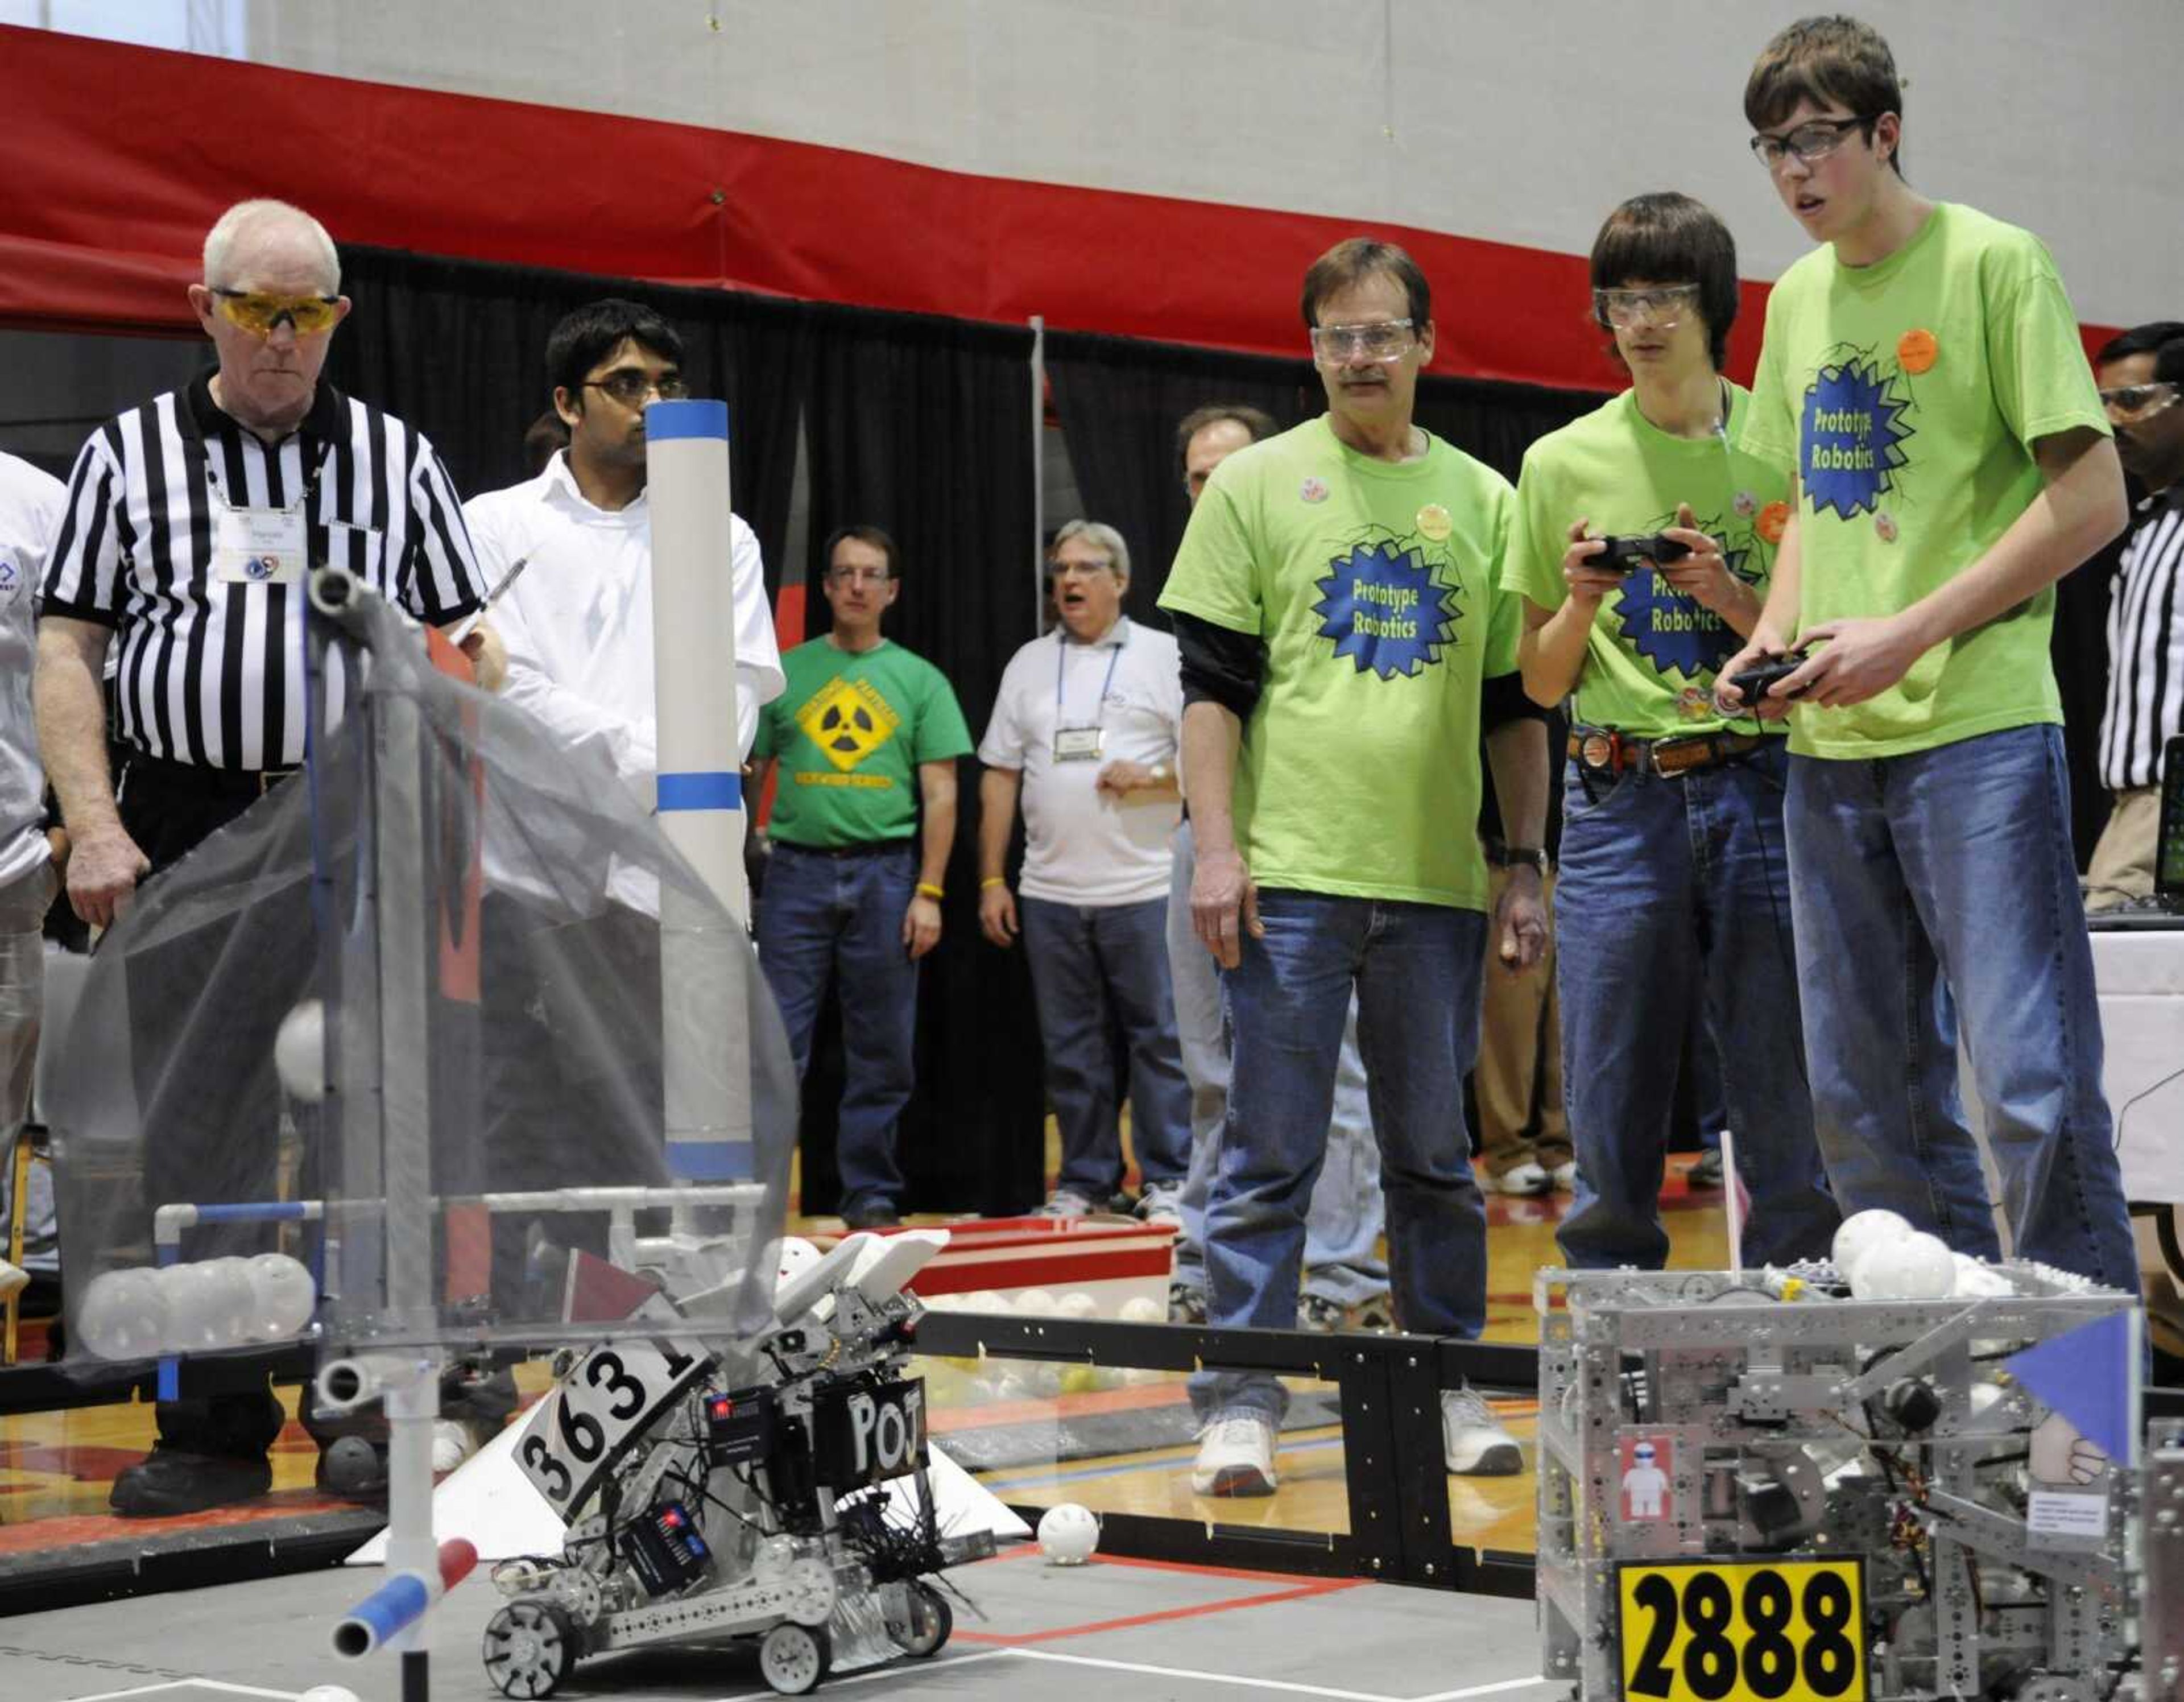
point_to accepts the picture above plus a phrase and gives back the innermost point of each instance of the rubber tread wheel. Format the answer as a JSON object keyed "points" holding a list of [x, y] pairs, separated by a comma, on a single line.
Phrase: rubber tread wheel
{"points": [[530, 1648]]}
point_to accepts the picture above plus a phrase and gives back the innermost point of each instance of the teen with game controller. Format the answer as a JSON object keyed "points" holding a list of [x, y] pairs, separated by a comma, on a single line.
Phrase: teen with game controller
{"points": [[1673, 863], [1924, 385]]}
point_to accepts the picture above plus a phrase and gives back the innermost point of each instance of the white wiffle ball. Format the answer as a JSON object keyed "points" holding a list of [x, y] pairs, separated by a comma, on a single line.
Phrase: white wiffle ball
{"points": [[123, 1314], [299, 1051], [283, 1297], [1915, 1267], [1067, 1534], [1862, 1230]]}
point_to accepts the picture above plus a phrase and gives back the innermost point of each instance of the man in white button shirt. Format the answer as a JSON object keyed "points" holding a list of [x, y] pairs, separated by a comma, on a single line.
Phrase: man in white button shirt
{"points": [[1085, 735], [578, 626], [578, 622]]}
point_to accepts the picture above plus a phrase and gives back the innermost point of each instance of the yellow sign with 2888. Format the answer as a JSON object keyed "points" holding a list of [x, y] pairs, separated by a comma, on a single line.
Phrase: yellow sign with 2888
{"points": [[1743, 1630]]}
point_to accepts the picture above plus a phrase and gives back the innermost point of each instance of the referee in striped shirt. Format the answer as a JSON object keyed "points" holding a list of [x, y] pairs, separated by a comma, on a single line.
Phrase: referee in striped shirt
{"points": [[189, 525], [2142, 379]]}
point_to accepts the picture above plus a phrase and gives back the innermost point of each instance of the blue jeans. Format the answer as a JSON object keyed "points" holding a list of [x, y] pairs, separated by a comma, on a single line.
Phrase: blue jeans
{"points": [[1086, 961], [822, 915], [1415, 971], [1667, 883], [1342, 1224], [1948, 874]]}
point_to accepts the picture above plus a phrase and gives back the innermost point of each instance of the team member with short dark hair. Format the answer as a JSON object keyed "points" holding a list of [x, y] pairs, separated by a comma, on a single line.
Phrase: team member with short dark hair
{"points": [[1673, 866], [1923, 383]]}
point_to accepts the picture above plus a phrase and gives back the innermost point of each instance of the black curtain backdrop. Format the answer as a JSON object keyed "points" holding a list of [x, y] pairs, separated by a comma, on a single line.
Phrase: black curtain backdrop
{"points": [[919, 425]]}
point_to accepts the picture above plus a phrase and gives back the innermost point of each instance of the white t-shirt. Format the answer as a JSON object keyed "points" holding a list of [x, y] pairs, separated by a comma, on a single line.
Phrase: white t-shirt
{"points": [[31, 503], [1083, 845]]}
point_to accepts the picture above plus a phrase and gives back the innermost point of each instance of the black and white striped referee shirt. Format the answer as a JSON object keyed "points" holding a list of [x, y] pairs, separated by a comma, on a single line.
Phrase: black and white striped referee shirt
{"points": [[211, 672], [2146, 647]]}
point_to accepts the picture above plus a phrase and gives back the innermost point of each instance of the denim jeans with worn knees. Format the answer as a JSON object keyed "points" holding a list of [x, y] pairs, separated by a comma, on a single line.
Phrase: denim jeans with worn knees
{"points": [[1669, 886], [1415, 971], [1944, 872], [1343, 1224]]}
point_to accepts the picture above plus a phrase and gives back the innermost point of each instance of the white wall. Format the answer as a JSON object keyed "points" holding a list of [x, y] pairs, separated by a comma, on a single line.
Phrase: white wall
{"points": [[1521, 122]]}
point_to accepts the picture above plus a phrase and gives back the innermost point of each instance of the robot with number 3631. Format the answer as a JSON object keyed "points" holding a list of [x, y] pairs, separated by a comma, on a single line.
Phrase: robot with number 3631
{"points": [[782, 1503]]}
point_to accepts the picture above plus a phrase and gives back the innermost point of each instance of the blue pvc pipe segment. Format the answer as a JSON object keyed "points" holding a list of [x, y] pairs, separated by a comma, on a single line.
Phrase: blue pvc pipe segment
{"points": [[693, 417]]}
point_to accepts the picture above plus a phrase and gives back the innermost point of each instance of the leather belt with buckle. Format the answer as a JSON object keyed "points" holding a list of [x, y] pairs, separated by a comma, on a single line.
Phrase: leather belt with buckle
{"points": [[1606, 751]]}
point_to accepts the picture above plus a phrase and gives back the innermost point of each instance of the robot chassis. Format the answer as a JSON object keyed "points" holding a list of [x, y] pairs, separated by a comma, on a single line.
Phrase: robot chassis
{"points": [[714, 1502], [1750, 1487]]}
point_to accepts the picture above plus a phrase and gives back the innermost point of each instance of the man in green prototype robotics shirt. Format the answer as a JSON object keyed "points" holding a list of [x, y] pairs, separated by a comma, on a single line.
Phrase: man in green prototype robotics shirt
{"points": [[854, 886], [1924, 382], [1344, 646]]}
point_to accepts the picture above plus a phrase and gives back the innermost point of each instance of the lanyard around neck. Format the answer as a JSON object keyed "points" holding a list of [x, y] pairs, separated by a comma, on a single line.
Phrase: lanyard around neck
{"points": [[1061, 663]]}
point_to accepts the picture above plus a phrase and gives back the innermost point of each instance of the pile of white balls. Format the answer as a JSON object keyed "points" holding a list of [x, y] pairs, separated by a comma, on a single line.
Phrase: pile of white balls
{"points": [[1883, 1257], [195, 1308]]}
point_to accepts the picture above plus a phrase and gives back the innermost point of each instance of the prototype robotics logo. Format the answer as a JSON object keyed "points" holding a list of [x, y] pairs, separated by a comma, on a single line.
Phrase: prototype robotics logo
{"points": [[1673, 631], [1382, 608], [1853, 435]]}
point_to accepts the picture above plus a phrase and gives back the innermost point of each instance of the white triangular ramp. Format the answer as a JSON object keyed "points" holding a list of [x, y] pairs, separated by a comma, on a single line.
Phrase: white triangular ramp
{"points": [[489, 1500]]}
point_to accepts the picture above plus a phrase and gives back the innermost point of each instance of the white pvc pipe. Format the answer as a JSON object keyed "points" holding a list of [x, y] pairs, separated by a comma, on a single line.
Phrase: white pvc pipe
{"points": [[704, 1023]]}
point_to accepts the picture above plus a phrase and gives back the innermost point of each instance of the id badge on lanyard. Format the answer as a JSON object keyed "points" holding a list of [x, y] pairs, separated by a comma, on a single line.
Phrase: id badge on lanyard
{"points": [[1080, 744]]}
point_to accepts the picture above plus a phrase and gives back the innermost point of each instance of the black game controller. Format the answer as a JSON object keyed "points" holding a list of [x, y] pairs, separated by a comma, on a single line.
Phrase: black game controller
{"points": [[1626, 555], [1756, 681]]}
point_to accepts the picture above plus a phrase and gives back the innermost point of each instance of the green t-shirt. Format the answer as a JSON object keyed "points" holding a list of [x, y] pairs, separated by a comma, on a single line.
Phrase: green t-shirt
{"points": [[1651, 656], [1373, 586], [850, 732], [1906, 395]]}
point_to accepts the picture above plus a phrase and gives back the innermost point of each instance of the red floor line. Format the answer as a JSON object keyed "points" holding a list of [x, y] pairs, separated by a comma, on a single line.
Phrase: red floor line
{"points": [[1325, 1587]]}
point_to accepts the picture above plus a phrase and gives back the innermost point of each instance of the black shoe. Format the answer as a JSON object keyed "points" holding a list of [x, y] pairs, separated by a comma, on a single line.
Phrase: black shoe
{"points": [[1706, 1170], [873, 1215], [169, 1482]]}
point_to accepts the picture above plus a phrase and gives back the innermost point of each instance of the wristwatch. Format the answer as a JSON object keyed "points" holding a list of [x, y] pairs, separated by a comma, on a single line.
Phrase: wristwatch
{"points": [[1513, 857]]}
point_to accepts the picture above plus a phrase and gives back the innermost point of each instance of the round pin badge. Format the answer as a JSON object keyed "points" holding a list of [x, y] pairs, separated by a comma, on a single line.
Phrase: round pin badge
{"points": [[1917, 351], [1694, 705], [1597, 751], [1313, 490], [1885, 523], [1747, 505], [1433, 522]]}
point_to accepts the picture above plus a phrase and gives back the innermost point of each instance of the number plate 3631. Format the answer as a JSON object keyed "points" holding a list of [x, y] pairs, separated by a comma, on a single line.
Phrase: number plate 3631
{"points": [[1743, 1630]]}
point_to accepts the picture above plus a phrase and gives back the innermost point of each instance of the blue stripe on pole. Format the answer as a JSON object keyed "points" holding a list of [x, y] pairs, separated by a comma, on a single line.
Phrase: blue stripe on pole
{"points": [[711, 1161], [693, 418], [720, 789], [268, 1211], [395, 1603]]}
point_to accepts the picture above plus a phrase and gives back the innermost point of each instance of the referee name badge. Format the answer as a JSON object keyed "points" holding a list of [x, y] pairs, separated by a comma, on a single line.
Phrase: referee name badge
{"points": [[1079, 744], [258, 546]]}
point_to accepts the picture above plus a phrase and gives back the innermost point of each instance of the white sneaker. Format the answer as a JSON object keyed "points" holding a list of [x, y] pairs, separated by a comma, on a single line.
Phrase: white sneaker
{"points": [[1473, 1443], [1235, 1455], [1161, 1203], [1064, 1202], [1565, 1175], [1527, 1178]]}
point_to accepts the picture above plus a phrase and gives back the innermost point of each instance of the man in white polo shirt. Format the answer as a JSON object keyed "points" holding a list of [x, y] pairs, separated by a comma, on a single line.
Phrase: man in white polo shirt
{"points": [[1084, 732]]}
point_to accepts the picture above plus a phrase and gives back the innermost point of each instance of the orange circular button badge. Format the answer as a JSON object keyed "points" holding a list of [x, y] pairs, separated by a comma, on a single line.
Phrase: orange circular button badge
{"points": [[1774, 520], [1917, 351]]}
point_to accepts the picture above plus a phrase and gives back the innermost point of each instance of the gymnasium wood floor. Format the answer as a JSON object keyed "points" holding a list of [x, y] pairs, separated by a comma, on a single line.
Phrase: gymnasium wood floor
{"points": [[56, 1468]]}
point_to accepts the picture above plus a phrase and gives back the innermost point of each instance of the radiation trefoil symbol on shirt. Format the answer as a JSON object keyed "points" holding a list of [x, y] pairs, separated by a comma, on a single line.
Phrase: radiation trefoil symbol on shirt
{"points": [[848, 719], [1382, 609], [1851, 434]]}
